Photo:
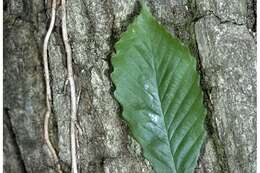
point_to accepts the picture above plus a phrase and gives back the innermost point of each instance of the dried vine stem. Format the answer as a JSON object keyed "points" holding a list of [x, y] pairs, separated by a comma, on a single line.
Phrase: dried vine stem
{"points": [[73, 97], [48, 88]]}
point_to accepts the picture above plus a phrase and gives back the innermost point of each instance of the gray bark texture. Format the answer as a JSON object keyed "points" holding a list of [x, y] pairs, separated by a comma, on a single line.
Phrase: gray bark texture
{"points": [[221, 35]]}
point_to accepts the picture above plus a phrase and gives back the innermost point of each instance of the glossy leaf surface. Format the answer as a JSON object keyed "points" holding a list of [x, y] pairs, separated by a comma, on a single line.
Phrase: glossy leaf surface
{"points": [[158, 87]]}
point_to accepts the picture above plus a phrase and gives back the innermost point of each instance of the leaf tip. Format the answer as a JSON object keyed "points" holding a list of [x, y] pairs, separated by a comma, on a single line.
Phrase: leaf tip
{"points": [[145, 8]]}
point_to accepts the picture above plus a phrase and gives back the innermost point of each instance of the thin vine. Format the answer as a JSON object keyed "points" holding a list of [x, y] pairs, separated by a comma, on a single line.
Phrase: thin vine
{"points": [[48, 88], [73, 96]]}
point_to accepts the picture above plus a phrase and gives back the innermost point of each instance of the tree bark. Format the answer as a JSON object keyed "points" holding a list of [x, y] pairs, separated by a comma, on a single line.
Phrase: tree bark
{"points": [[220, 34]]}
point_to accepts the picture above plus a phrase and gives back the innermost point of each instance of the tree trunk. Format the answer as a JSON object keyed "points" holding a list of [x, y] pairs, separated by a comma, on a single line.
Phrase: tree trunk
{"points": [[220, 33]]}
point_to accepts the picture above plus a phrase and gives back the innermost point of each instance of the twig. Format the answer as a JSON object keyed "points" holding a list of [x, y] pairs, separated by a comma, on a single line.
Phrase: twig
{"points": [[48, 88], [79, 129], [73, 96], [65, 86], [78, 98]]}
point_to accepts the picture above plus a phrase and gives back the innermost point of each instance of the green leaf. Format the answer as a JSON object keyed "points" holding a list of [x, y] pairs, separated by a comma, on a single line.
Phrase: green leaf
{"points": [[158, 87]]}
